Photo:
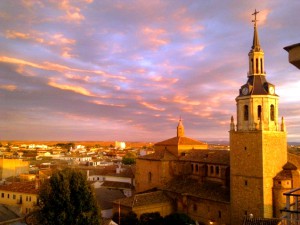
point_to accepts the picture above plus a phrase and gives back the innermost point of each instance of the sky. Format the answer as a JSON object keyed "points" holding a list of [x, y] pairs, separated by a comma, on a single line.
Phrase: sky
{"points": [[99, 70]]}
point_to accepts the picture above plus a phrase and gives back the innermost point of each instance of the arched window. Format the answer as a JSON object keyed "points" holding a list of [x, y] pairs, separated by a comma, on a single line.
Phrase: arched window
{"points": [[217, 170], [149, 177], [259, 112], [246, 113], [252, 66], [211, 169], [272, 113], [197, 168], [261, 66], [192, 166], [256, 61]]}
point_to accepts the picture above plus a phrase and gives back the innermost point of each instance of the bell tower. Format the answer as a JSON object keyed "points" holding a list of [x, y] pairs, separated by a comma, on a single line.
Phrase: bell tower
{"points": [[258, 146]]}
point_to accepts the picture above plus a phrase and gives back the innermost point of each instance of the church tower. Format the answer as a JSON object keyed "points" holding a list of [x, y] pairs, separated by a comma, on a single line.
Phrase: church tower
{"points": [[258, 145]]}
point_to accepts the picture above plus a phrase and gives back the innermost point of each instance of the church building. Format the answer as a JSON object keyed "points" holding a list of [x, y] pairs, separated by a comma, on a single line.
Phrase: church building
{"points": [[226, 186]]}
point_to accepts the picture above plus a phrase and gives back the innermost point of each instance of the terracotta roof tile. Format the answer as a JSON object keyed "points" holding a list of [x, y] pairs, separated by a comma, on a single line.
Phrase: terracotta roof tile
{"points": [[145, 199], [20, 187], [115, 184], [207, 190], [160, 155], [208, 156], [179, 141]]}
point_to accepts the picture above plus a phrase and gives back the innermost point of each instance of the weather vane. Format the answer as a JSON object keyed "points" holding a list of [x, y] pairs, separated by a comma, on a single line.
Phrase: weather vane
{"points": [[255, 13]]}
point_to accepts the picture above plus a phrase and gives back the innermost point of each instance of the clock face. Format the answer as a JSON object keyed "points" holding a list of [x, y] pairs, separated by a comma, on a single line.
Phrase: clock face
{"points": [[245, 91], [271, 90]]}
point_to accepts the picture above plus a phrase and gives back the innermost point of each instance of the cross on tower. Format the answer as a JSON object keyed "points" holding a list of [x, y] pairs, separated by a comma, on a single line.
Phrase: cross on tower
{"points": [[255, 13]]}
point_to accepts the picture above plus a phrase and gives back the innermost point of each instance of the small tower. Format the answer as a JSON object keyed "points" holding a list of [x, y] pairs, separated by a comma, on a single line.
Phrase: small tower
{"points": [[180, 129], [258, 145]]}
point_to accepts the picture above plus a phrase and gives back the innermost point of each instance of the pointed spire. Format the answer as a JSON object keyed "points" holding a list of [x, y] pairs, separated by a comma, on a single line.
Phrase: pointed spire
{"points": [[232, 126], [180, 128], [255, 45], [282, 124]]}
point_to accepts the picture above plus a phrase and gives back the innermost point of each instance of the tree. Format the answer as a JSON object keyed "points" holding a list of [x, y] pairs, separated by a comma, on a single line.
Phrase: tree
{"points": [[151, 219], [129, 158], [178, 219], [67, 198]]}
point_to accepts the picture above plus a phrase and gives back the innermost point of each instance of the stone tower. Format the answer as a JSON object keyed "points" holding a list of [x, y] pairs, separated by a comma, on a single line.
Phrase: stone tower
{"points": [[258, 146]]}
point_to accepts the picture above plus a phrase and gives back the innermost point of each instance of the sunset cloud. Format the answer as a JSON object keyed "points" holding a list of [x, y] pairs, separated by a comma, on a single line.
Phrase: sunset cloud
{"points": [[120, 69]]}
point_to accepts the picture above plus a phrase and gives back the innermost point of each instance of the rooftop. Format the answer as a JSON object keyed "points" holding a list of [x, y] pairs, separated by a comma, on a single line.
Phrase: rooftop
{"points": [[208, 156], [179, 141], [191, 187], [149, 198], [20, 187]]}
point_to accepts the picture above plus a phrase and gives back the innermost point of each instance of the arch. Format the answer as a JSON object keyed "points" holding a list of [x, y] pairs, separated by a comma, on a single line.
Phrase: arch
{"points": [[246, 113], [217, 170], [149, 177], [256, 66], [272, 112], [259, 112]]}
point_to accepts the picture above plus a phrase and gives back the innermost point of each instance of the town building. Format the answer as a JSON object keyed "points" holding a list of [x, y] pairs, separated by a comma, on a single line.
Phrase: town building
{"points": [[243, 185]]}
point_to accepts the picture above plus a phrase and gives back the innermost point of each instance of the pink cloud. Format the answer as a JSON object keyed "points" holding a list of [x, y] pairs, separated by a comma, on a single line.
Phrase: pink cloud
{"points": [[151, 106], [9, 87], [68, 87]]}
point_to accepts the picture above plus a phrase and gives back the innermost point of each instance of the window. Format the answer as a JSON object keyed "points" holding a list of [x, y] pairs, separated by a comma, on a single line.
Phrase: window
{"points": [[261, 66], [195, 207], [2, 195], [259, 112], [220, 214], [197, 168], [256, 61], [217, 170], [246, 183], [149, 177], [272, 112], [211, 169], [7, 195], [252, 66], [246, 113], [14, 196], [192, 166]]}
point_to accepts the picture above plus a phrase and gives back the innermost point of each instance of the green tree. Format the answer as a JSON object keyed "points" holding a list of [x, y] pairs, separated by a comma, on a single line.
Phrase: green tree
{"points": [[151, 219], [67, 198], [178, 219], [129, 158]]}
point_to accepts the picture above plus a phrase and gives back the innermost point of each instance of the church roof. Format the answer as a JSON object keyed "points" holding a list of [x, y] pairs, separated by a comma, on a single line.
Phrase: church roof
{"points": [[287, 172], [163, 155], [208, 190], [208, 156], [145, 199], [175, 141]]}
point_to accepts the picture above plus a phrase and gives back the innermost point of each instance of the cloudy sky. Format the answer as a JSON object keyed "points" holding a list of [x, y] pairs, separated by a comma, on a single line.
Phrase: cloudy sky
{"points": [[127, 70]]}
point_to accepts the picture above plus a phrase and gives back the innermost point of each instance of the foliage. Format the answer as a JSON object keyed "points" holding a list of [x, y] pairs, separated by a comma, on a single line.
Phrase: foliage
{"points": [[151, 219], [67, 198], [126, 219], [129, 158], [178, 219]]}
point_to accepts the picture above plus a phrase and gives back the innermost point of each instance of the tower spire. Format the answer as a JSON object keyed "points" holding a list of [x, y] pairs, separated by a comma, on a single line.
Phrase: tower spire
{"points": [[180, 128], [255, 45]]}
